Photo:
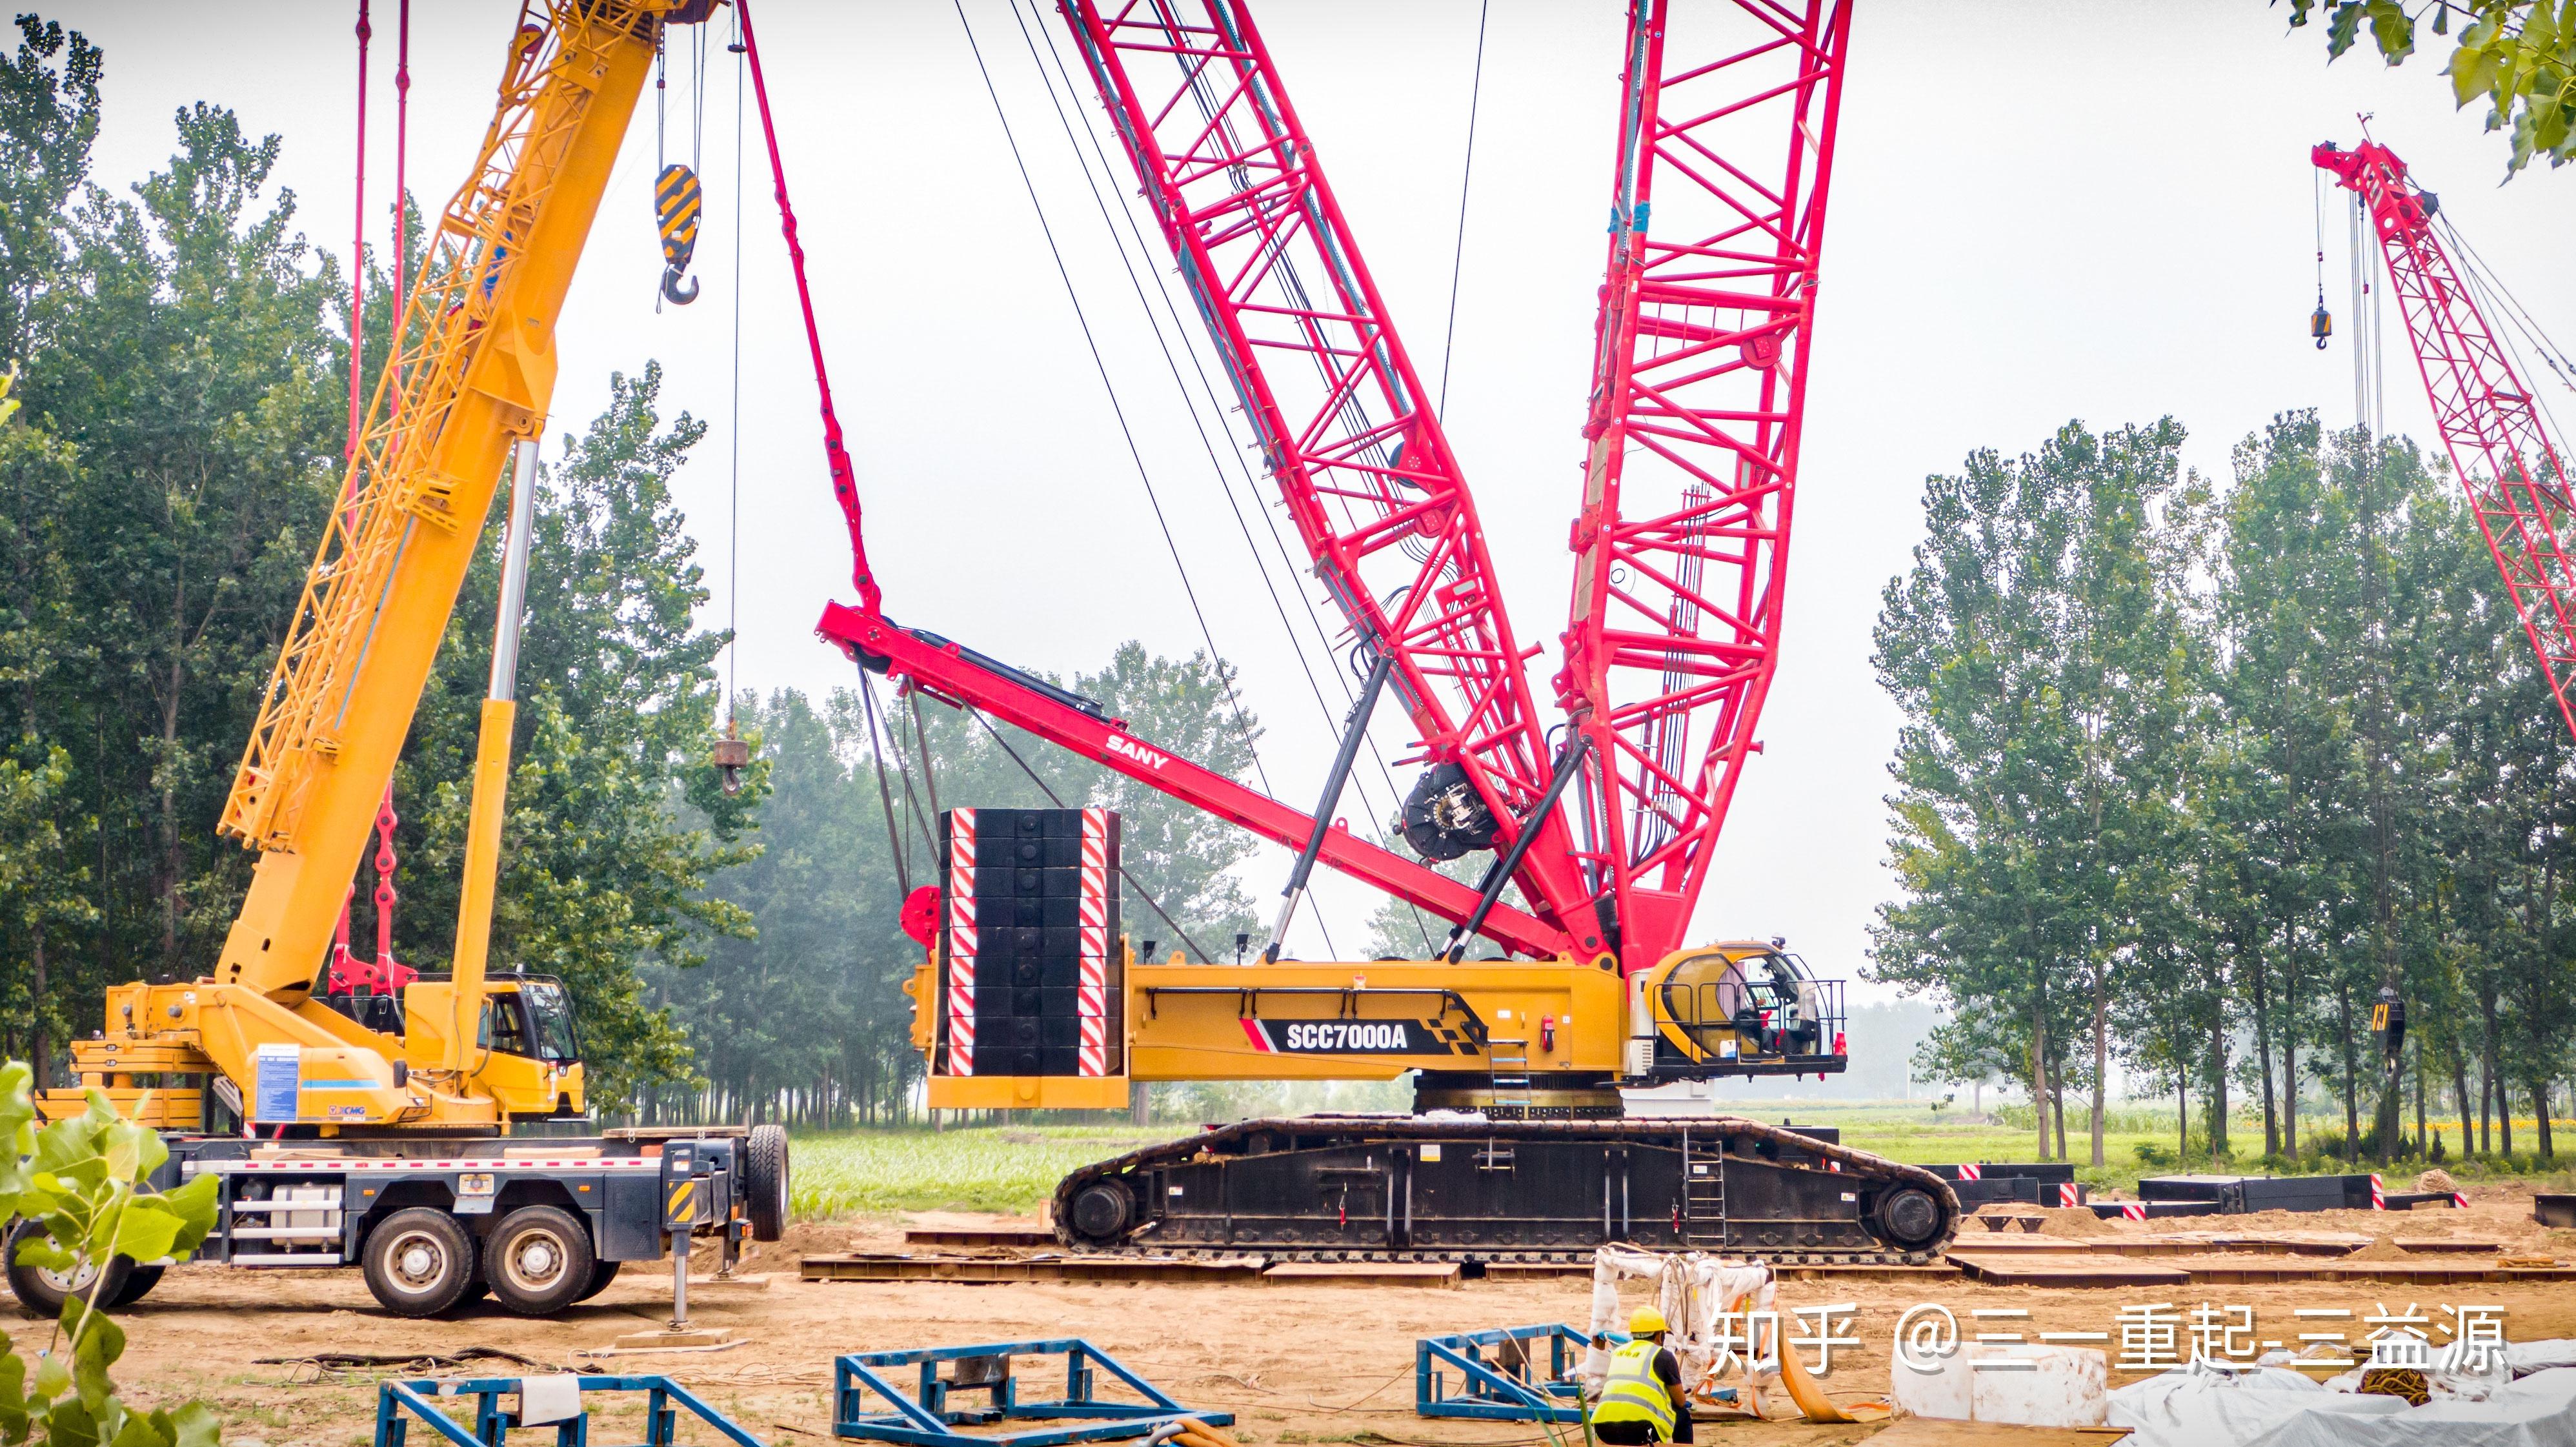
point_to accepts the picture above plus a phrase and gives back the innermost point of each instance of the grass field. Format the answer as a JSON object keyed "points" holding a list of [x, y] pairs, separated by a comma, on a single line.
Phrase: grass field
{"points": [[1014, 1168]]}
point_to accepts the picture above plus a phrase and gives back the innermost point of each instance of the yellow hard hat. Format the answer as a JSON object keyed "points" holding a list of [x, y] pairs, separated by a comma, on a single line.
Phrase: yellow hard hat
{"points": [[1647, 1322]]}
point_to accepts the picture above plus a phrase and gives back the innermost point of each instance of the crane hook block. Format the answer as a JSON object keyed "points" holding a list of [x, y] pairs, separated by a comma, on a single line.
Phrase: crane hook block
{"points": [[676, 203], [2321, 326]]}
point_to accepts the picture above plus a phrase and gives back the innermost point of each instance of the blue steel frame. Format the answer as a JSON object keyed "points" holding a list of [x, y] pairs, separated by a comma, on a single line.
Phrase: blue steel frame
{"points": [[924, 1420], [1487, 1390], [492, 1427]]}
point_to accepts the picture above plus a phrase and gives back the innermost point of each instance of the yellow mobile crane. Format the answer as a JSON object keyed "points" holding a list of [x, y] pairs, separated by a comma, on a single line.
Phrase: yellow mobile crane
{"points": [[367, 1118]]}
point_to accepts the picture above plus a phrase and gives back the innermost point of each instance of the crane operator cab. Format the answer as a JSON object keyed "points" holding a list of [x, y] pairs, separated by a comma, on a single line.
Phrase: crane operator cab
{"points": [[1738, 1008], [527, 1052]]}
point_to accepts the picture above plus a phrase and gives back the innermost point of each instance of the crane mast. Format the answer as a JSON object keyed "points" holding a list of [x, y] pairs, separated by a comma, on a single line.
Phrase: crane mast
{"points": [[2516, 479], [1698, 395]]}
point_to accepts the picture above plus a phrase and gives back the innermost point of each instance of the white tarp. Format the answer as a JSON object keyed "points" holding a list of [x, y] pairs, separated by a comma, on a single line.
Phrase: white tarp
{"points": [[2203, 1405], [2538, 1411], [2525, 1357]]}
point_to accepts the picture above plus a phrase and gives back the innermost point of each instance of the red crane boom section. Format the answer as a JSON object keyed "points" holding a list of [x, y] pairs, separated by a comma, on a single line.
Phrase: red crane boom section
{"points": [[2515, 479], [1699, 388], [1698, 391], [1344, 423]]}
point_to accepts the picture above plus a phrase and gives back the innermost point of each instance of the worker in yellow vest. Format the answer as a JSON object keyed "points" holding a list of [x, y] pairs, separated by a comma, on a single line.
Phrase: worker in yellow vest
{"points": [[1642, 1402]]}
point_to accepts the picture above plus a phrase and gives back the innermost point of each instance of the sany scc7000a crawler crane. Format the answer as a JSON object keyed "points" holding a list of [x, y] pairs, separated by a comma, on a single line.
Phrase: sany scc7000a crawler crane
{"points": [[1606, 821], [367, 1129]]}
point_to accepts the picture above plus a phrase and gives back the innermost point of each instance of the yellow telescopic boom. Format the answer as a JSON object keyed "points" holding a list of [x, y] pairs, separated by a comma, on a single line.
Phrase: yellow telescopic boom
{"points": [[475, 373]]}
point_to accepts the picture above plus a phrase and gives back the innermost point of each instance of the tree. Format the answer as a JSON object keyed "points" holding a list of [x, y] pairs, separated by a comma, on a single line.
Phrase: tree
{"points": [[2520, 55], [187, 379], [2040, 652], [48, 122]]}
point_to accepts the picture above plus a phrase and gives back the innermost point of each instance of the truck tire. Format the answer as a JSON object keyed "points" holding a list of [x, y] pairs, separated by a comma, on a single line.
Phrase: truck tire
{"points": [[43, 1293], [539, 1260], [419, 1261], [601, 1273], [764, 1181], [138, 1285]]}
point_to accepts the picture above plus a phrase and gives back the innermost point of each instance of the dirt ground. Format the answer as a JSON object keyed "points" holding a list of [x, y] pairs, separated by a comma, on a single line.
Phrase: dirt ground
{"points": [[1295, 1364]]}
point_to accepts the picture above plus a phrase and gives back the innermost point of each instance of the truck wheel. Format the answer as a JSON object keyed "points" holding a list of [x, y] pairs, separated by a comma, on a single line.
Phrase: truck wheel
{"points": [[419, 1262], [539, 1260], [138, 1285], [764, 1181], [601, 1273], [43, 1292]]}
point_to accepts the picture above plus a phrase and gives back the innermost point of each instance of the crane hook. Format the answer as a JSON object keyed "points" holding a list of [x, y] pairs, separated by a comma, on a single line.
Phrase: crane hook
{"points": [[676, 202], [2321, 325]]}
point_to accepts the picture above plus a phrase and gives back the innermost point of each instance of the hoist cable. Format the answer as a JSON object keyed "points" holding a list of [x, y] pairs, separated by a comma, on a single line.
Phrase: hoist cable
{"points": [[885, 796], [733, 525], [358, 251], [402, 154], [1101, 366], [1190, 404], [1141, 891], [921, 742], [1279, 544], [1466, 174]]}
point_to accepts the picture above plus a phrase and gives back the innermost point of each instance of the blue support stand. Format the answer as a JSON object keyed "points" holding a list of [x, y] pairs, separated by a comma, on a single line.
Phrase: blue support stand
{"points": [[398, 1404], [926, 1418], [1491, 1389]]}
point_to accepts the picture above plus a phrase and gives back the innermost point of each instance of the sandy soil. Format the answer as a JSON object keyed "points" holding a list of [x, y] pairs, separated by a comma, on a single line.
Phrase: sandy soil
{"points": [[1304, 1364]]}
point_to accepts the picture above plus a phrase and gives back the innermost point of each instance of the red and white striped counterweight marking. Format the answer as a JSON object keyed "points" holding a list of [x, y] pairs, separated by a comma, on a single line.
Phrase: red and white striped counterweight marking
{"points": [[2133, 1211], [961, 942], [2069, 1194], [1972, 1173], [1092, 999], [2378, 1196]]}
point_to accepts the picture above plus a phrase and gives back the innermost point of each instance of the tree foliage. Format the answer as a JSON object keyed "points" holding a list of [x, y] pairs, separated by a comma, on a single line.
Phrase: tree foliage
{"points": [[85, 1180], [2198, 774], [2517, 55]]}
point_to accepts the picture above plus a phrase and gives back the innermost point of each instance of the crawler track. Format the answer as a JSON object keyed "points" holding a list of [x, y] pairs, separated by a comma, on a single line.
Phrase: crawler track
{"points": [[1442, 1188]]}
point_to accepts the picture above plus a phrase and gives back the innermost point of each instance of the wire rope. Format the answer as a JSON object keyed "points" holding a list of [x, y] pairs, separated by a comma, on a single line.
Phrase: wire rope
{"points": [[1123, 873], [885, 796], [1198, 422], [733, 524], [1466, 175], [1101, 366]]}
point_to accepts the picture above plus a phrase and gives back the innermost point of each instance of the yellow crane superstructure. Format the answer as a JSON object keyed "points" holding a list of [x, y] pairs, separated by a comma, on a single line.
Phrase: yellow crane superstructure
{"points": [[458, 410]]}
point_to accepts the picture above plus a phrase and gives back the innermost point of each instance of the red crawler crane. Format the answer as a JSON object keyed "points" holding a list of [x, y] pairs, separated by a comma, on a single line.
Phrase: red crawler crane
{"points": [[2515, 478], [1725, 150], [1726, 127]]}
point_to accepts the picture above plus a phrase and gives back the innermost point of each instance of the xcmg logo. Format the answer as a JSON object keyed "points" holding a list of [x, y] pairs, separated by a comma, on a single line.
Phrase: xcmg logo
{"points": [[1127, 748]]}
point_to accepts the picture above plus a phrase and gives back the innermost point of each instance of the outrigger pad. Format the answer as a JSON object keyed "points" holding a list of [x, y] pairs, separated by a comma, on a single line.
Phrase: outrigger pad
{"points": [[928, 1418]]}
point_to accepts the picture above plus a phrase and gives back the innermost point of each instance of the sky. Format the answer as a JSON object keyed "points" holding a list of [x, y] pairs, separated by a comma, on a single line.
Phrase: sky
{"points": [[2044, 211]]}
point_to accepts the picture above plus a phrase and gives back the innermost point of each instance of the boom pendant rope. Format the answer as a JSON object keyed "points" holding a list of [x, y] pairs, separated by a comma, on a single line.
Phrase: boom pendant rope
{"points": [[885, 797], [1052, 798], [1198, 421], [1466, 175], [1216, 659]]}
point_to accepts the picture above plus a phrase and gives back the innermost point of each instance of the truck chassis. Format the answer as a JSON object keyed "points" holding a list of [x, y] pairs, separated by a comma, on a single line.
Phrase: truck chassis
{"points": [[538, 1224]]}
